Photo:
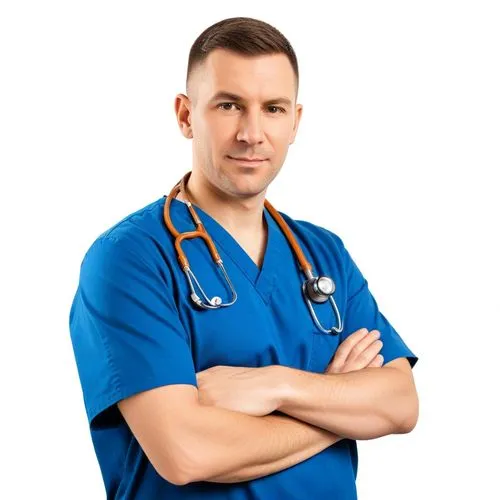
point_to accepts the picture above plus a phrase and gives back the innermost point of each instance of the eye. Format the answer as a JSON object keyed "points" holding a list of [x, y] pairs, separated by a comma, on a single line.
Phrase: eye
{"points": [[281, 110], [221, 106]]}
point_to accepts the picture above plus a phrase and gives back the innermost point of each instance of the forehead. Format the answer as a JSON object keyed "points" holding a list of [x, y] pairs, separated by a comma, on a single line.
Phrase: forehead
{"points": [[246, 76]]}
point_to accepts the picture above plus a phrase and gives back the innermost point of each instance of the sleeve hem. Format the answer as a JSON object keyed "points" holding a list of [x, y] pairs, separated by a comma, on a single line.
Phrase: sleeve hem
{"points": [[104, 403], [412, 359]]}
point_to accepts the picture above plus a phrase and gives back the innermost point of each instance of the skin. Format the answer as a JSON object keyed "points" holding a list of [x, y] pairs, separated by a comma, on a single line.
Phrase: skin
{"points": [[231, 193]]}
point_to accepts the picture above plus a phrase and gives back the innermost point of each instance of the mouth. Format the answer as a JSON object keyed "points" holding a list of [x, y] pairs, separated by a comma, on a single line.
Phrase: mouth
{"points": [[248, 161]]}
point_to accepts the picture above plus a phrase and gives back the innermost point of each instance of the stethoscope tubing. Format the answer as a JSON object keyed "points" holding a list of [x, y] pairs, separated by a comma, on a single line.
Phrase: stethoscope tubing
{"points": [[201, 232]]}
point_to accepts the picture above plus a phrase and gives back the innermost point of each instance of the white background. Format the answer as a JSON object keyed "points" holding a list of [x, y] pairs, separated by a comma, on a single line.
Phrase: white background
{"points": [[397, 152]]}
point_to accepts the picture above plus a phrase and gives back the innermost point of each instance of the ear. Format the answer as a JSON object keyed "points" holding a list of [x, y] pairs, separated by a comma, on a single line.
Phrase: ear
{"points": [[183, 114], [298, 116]]}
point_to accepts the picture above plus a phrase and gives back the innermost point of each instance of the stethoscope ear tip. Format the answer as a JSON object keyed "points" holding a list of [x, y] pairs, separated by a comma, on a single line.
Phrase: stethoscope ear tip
{"points": [[216, 301]]}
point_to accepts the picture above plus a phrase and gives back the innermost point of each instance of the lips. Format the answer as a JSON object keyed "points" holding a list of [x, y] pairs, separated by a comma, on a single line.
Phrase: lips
{"points": [[251, 160]]}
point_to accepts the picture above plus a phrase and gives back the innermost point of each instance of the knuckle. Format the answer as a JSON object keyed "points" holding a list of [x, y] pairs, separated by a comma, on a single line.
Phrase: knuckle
{"points": [[365, 357], [349, 343], [341, 350], [357, 349]]}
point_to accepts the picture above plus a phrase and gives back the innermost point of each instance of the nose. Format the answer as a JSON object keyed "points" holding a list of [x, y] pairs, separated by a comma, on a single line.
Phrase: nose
{"points": [[250, 128]]}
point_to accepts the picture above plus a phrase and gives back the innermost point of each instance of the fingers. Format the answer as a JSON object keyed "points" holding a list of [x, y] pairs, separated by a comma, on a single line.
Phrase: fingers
{"points": [[366, 357], [345, 348], [366, 342], [377, 361]]}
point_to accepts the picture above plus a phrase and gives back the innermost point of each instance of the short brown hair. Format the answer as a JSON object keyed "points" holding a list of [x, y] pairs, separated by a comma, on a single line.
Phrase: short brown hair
{"points": [[243, 35]]}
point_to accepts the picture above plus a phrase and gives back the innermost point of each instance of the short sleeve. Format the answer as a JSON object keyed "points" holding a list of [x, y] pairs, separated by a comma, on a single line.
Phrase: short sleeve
{"points": [[125, 329], [362, 312]]}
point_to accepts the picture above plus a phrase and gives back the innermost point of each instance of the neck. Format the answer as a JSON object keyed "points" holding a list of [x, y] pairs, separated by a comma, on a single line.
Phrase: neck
{"points": [[237, 216]]}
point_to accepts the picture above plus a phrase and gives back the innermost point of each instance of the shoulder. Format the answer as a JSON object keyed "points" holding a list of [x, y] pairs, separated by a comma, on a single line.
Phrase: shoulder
{"points": [[315, 236], [140, 224], [138, 236]]}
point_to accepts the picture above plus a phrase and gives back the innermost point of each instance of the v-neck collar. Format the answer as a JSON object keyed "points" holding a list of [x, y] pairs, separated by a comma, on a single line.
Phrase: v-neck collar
{"points": [[262, 279]]}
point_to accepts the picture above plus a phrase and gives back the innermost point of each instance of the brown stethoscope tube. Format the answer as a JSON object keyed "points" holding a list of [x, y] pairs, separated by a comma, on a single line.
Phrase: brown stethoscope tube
{"points": [[317, 289]]}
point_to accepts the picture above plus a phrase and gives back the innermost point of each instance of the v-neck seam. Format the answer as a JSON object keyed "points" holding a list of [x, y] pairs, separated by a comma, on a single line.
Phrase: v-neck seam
{"points": [[236, 263], [241, 268], [270, 279]]}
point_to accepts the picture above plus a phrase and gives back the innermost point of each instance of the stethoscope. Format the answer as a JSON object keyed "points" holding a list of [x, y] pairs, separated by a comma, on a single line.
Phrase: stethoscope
{"points": [[316, 289]]}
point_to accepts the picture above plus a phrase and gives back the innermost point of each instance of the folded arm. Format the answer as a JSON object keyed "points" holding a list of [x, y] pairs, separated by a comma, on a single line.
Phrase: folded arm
{"points": [[186, 441], [267, 445], [363, 404]]}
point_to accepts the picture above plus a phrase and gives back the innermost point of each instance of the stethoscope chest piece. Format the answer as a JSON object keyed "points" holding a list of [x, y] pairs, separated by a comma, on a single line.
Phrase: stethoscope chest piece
{"points": [[320, 288]]}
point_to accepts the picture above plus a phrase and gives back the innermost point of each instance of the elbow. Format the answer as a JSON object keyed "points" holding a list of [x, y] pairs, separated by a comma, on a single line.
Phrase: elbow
{"points": [[187, 458], [410, 417], [407, 425], [179, 472], [176, 469], [176, 478]]}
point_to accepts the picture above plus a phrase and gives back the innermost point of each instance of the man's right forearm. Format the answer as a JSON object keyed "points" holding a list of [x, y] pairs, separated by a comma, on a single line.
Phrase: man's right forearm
{"points": [[297, 442], [230, 447]]}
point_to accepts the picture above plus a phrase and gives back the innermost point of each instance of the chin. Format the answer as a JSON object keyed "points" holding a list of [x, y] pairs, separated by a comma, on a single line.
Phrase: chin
{"points": [[245, 191], [245, 188], [245, 182]]}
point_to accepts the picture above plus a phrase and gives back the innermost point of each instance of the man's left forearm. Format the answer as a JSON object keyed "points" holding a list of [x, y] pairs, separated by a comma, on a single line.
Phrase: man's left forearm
{"points": [[362, 404]]}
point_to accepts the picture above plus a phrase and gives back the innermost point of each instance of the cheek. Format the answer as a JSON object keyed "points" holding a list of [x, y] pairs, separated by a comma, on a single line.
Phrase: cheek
{"points": [[220, 140], [280, 148], [206, 130], [280, 136]]}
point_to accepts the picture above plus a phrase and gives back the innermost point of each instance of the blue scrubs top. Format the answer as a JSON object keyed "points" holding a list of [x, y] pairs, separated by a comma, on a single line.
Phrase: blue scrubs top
{"points": [[133, 328]]}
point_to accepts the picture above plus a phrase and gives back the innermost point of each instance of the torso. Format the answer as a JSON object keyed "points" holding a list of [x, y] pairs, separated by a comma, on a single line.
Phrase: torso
{"points": [[268, 324]]}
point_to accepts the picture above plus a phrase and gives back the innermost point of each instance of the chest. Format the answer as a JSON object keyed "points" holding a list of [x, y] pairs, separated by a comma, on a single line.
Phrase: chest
{"points": [[268, 324]]}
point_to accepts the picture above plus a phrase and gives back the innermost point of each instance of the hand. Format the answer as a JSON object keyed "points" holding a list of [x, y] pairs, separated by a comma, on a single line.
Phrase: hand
{"points": [[359, 350], [247, 390]]}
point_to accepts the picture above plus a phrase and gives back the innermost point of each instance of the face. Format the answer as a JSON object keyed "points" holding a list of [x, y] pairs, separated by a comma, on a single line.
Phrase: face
{"points": [[240, 107]]}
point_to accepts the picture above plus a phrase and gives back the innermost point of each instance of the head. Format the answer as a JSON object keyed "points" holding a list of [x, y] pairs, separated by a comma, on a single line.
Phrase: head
{"points": [[242, 86]]}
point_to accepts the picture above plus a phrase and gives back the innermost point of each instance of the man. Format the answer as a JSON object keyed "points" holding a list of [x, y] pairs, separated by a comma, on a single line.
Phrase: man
{"points": [[252, 400]]}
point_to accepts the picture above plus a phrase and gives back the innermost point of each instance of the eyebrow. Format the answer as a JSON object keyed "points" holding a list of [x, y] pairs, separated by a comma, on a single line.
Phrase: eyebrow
{"points": [[233, 97]]}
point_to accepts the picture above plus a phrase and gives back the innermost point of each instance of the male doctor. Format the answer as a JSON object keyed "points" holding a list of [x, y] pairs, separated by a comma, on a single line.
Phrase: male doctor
{"points": [[250, 401]]}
